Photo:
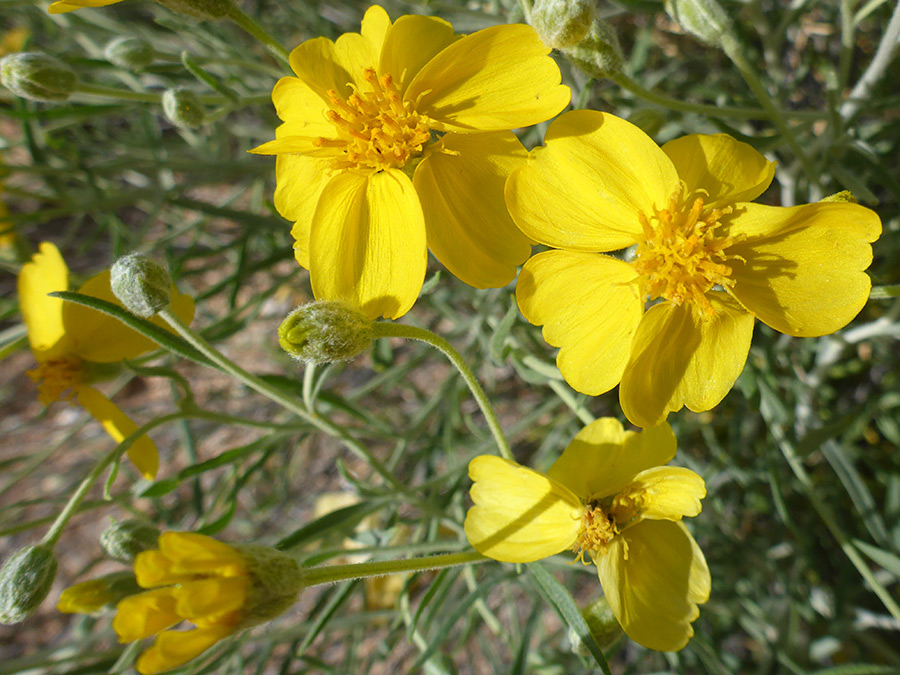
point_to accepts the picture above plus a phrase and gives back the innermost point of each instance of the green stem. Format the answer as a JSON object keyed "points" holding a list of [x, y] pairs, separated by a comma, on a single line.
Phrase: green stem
{"points": [[274, 394], [149, 97], [704, 109], [386, 329], [329, 574], [734, 51], [243, 20]]}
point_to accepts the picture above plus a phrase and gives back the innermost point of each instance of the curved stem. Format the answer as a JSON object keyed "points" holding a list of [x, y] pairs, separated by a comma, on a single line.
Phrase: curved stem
{"points": [[237, 15], [329, 574], [385, 329], [702, 108]]}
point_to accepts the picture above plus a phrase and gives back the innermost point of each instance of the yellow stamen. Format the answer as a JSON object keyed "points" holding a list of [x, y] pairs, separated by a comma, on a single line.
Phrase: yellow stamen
{"points": [[376, 129], [683, 256], [55, 376], [599, 530]]}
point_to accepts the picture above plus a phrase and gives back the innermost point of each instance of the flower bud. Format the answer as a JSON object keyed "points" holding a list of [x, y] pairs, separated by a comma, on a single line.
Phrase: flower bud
{"points": [[603, 625], [325, 331], [36, 76], [123, 540], [842, 196], [200, 9], [92, 596], [563, 23], [25, 580], [599, 54], [183, 108], [141, 284], [130, 53], [275, 581], [704, 19]]}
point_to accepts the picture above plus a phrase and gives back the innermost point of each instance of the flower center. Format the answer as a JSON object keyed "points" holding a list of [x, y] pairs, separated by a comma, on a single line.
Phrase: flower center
{"points": [[376, 129], [604, 519], [682, 256], [55, 376]]}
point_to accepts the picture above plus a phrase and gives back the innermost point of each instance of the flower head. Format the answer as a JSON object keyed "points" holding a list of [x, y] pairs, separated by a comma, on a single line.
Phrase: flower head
{"points": [[69, 339], [610, 498], [396, 139], [672, 326], [217, 587]]}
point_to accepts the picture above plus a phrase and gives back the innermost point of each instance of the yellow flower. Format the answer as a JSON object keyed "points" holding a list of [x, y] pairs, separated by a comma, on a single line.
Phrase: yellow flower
{"points": [[607, 496], [706, 259], [396, 139], [70, 6], [13, 40], [217, 587], [67, 339]]}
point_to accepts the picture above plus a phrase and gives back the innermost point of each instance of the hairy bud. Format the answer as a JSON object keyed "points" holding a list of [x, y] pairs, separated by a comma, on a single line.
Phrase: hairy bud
{"points": [[141, 284], [599, 54], [37, 76], [123, 540], [130, 53], [325, 331], [704, 19], [602, 623], [275, 581], [25, 580], [183, 108], [563, 23]]}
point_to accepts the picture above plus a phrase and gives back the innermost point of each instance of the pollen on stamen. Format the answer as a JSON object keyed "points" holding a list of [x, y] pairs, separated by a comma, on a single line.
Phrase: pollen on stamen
{"points": [[683, 253], [599, 529], [56, 377], [375, 129]]}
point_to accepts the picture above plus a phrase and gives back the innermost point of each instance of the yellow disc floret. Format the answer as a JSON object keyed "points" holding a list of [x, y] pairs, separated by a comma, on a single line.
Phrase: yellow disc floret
{"points": [[376, 129], [56, 376], [683, 255], [599, 529]]}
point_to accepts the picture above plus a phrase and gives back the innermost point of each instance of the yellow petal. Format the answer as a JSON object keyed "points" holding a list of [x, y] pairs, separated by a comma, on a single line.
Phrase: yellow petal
{"points": [[460, 185], [43, 315], [729, 171], [588, 308], [153, 568], [63, 7], [207, 597], [803, 273], [100, 338], [585, 190], [678, 358], [367, 243], [668, 492], [119, 426], [519, 515], [199, 554], [603, 458], [292, 145], [302, 109], [142, 615], [175, 648], [299, 184], [411, 43], [654, 576], [499, 78]]}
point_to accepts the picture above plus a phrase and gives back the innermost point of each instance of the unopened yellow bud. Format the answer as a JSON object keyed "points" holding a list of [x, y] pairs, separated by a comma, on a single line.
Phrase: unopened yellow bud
{"points": [[183, 108], [563, 23], [123, 540], [95, 595], [200, 9], [704, 19], [325, 331], [129, 52], [25, 580], [141, 284], [37, 76]]}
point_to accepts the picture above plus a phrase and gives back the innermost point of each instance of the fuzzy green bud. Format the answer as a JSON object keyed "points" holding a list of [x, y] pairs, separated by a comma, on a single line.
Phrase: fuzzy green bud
{"points": [[141, 284], [130, 53], [325, 331], [275, 581], [37, 76], [95, 595], [25, 580], [200, 9], [599, 54], [123, 540], [704, 19], [603, 625], [563, 23], [183, 108]]}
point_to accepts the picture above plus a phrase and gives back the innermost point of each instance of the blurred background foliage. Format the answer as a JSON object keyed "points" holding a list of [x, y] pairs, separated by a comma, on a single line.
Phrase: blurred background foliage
{"points": [[801, 526]]}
